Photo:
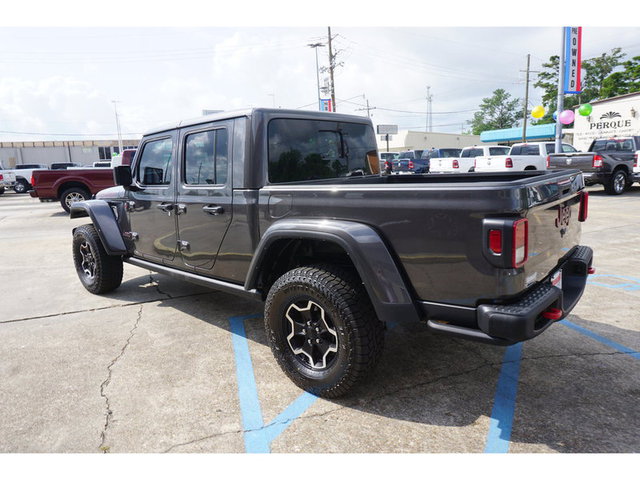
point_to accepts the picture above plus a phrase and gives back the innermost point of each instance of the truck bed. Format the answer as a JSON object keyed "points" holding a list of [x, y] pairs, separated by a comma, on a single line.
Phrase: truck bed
{"points": [[434, 224]]}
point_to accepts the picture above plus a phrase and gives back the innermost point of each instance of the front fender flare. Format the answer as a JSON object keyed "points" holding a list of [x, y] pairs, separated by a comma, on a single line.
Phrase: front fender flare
{"points": [[368, 252], [105, 223]]}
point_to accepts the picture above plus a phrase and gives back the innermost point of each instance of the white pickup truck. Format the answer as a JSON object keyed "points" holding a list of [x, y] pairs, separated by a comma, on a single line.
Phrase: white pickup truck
{"points": [[7, 179], [466, 162], [522, 156]]}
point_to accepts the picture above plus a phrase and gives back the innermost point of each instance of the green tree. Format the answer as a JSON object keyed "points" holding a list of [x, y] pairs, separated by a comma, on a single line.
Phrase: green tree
{"points": [[596, 70], [497, 111], [626, 81]]}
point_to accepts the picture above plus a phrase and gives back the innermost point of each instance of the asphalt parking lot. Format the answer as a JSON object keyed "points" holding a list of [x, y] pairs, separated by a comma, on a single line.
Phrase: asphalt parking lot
{"points": [[164, 366]]}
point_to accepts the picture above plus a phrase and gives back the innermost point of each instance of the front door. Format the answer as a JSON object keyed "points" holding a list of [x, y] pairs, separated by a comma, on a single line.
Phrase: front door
{"points": [[152, 204], [204, 202]]}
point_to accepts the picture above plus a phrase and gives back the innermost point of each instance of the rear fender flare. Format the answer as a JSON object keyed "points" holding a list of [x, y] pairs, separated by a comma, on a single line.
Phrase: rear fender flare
{"points": [[366, 249], [105, 222]]}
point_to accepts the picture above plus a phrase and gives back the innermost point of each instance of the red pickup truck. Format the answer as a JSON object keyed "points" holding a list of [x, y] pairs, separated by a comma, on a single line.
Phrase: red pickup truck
{"points": [[73, 185]]}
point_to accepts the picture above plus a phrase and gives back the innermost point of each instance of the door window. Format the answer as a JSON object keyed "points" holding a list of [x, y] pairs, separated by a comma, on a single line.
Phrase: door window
{"points": [[154, 167], [206, 158]]}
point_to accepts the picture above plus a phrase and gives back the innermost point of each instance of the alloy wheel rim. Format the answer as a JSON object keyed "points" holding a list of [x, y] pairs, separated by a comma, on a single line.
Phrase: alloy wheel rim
{"points": [[311, 335], [619, 182], [88, 261], [73, 198]]}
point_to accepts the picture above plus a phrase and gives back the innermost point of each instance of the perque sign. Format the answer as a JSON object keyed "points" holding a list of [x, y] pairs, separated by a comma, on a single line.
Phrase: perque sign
{"points": [[573, 59]]}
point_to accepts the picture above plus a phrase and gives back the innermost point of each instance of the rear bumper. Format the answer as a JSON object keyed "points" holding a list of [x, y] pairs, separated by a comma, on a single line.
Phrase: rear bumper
{"points": [[593, 178], [522, 319]]}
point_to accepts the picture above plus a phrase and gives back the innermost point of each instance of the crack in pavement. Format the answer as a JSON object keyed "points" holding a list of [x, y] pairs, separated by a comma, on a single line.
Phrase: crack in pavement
{"points": [[89, 310], [105, 384], [156, 284]]}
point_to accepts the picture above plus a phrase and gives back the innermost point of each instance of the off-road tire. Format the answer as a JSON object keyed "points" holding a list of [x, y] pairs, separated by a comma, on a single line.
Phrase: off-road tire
{"points": [[21, 186], [98, 271], [73, 194], [358, 332], [1, 190], [617, 183]]}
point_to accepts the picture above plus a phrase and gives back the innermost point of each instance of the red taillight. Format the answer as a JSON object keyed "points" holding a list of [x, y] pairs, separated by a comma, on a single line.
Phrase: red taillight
{"points": [[508, 163], [495, 241], [597, 161], [410, 165], [456, 164], [520, 247], [1, 176], [584, 206], [635, 160], [548, 161], [33, 181]]}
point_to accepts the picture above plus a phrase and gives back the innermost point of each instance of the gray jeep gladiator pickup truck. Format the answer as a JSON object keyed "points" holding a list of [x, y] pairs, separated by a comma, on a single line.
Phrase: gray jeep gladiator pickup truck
{"points": [[289, 208]]}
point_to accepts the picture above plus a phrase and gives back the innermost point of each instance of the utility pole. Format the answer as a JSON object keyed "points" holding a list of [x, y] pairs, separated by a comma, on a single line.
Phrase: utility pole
{"points": [[526, 98], [368, 108], [315, 46], [332, 64], [429, 124], [118, 126]]}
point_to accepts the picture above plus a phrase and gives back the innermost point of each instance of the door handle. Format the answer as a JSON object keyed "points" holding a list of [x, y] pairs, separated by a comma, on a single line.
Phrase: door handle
{"points": [[166, 207], [213, 209]]}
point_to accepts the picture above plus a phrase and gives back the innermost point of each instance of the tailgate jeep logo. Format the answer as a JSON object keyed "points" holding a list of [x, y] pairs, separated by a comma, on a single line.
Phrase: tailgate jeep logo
{"points": [[562, 220]]}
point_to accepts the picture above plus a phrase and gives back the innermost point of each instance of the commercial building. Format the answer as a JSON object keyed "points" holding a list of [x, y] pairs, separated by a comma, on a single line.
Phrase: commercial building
{"points": [[411, 140], [83, 152], [611, 117]]}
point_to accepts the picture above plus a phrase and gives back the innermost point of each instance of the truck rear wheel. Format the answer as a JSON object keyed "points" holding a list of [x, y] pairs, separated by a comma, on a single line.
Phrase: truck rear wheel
{"points": [[21, 186], [322, 329], [73, 195], [617, 183], [98, 271], [1, 190]]}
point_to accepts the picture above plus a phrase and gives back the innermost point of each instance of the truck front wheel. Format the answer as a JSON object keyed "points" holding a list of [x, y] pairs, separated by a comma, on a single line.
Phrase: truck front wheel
{"points": [[322, 329], [617, 183], [98, 271]]}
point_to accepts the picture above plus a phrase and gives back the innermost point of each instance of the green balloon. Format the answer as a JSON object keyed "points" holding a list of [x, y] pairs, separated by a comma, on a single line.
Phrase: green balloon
{"points": [[585, 109]]}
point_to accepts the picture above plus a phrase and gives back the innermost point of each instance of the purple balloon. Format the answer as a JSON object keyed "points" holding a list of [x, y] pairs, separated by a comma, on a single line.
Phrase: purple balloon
{"points": [[567, 117]]}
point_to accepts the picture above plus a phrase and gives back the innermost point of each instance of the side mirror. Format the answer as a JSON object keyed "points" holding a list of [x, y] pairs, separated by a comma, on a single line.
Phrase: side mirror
{"points": [[122, 175]]}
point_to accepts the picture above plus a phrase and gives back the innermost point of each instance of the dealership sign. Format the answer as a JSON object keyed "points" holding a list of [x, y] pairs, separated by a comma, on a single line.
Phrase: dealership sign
{"points": [[573, 59]]}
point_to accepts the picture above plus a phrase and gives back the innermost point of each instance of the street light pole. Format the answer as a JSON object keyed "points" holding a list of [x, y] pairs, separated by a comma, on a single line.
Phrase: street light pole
{"points": [[118, 126], [315, 46]]}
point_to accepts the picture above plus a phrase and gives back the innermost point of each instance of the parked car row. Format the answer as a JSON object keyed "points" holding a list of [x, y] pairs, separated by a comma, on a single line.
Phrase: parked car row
{"points": [[611, 162]]}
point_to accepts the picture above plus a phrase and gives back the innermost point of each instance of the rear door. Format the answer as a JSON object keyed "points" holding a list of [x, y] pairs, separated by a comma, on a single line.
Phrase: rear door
{"points": [[204, 202], [151, 205]]}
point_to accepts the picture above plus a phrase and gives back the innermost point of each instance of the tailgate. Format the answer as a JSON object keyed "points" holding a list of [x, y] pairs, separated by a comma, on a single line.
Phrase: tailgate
{"points": [[579, 160], [554, 228]]}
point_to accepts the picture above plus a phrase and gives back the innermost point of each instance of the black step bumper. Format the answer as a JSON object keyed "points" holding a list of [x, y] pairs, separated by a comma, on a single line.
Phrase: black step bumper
{"points": [[525, 318]]}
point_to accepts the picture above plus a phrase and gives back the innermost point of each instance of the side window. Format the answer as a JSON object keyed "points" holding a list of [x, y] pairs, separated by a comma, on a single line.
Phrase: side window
{"points": [[568, 148], [531, 150], [516, 150], [154, 167], [206, 158], [465, 154]]}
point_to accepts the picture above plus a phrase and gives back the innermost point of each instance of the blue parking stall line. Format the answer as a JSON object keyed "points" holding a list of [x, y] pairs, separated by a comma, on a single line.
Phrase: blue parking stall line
{"points": [[257, 435], [287, 417], [255, 440], [631, 283], [601, 339], [504, 403]]}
